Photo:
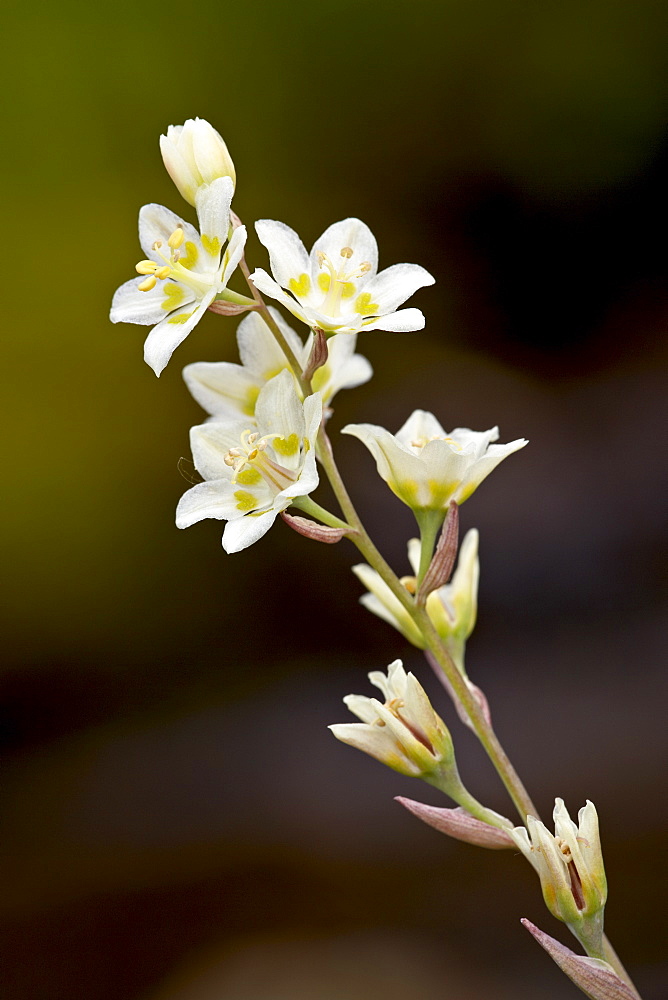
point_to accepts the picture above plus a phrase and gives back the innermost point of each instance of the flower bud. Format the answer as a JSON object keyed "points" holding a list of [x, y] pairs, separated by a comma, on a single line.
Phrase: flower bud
{"points": [[195, 154], [404, 732], [570, 868]]}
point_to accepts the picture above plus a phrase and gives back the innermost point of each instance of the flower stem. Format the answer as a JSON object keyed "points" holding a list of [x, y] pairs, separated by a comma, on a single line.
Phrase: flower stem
{"points": [[482, 728], [304, 384]]}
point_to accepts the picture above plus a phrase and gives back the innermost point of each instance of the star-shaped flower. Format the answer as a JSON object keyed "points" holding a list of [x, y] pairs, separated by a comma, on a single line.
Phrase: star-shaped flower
{"points": [[228, 390], [183, 271], [254, 468], [427, 467], [336, 288]]}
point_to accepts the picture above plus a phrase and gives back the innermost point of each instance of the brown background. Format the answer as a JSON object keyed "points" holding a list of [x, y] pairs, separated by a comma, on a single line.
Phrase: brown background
{"points": [[178, 823]]}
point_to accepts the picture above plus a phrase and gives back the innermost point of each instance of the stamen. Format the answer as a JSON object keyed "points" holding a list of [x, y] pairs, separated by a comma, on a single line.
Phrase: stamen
{"points": [[163, 272], [176, 239], [366, 266], [147, 285], [410, 583], [347, 252], [146, 267], [157, 245]]}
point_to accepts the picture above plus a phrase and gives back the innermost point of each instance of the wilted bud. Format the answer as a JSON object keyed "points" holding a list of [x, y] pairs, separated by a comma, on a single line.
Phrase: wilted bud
{"points": [[404, 732], [570, 867], [597, 979], [195, 154], [460, 824]]}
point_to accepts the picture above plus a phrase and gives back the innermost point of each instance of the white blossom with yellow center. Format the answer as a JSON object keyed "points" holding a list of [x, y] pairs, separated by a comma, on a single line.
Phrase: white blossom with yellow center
{"points": [[403, 731], [225, 389], [427, 467], [337, 288], [254, 468], [183, 271]]}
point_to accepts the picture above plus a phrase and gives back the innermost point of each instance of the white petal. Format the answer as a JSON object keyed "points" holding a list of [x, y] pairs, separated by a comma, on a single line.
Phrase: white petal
{"points": [[223, 388], [287, 254], [129, 305], [396, 284], [266, 284], [344, 369], [234, 253], [210, 443], [213, 211], [350, 234], [404, 321], [212, 499], [258, 349], [279, 409], [164, 338], [421, 426], [244, 531], [156, 224]]}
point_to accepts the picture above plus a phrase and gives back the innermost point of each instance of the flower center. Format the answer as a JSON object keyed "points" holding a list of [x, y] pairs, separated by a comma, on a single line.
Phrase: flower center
{"points": [[251, 455], [338, 282], [173, 267], [419, 443]]}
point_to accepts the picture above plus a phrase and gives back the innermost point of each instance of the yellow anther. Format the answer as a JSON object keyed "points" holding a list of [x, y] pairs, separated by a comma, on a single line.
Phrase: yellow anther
{"points": [[147, 285], [321, 257], [366, 266], [157, 245], [410, 583], [176, 239], [163, 272], [347, 252], [146, 267]]}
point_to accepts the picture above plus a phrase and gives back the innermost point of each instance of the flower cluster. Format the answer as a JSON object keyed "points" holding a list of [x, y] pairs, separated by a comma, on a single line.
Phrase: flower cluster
{"points": [[262, 448]]}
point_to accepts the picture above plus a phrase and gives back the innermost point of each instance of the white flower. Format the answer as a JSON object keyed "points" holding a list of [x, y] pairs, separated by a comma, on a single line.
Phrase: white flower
{"points": [[254, 469], [570, 867], [337, 288], [183, 272], [425, 466], [195, 154], [404, 732], [224, 389], [452, 608]]}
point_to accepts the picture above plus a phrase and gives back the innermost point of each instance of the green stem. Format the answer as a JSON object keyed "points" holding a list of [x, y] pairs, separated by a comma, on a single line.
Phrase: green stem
{"points": [[611, 957], [290, 355], [429, 523], [451, 785], [315, 510], [483, 730]]}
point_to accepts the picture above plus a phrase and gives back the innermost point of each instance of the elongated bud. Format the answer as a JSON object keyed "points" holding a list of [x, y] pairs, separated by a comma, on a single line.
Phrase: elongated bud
{"points": [[195, 154], [404, 731], [444, 557], [310, 529], [595, 978], [570, 868], [460, 825]]}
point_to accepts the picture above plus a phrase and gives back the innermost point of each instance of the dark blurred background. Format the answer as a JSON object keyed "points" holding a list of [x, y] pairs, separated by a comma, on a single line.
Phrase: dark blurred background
{"points": [[178, 824]]}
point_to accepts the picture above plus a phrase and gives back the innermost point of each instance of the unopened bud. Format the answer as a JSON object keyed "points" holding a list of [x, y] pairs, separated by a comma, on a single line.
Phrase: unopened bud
{"points": [[195, 154], [404, 732], [570, 867]]}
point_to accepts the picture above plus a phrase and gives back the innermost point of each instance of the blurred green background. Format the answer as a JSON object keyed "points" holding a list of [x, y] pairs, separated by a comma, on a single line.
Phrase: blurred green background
{"points": [[178, 823]]}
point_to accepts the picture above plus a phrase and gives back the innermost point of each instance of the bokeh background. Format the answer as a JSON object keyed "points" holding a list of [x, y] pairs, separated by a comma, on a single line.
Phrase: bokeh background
{"points": [[178, 824]]}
